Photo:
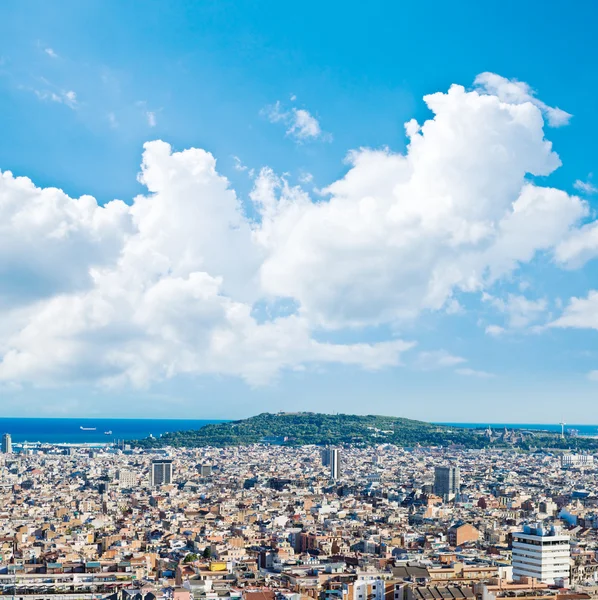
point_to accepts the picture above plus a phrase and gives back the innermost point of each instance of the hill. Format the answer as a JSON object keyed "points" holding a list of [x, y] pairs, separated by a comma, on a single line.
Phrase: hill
{"points": [[315, 428]]}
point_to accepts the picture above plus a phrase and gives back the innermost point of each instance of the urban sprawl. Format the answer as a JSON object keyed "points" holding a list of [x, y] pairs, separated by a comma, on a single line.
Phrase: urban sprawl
{"points": [[270, 522]]}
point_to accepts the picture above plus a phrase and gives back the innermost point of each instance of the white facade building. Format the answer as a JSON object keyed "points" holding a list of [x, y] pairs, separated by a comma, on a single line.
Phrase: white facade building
{"points": [[543, 554], [577, 460], [127, 479]]}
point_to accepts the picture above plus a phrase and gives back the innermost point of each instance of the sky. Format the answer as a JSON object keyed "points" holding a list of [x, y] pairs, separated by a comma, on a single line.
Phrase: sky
{"points": [[215, 209]]}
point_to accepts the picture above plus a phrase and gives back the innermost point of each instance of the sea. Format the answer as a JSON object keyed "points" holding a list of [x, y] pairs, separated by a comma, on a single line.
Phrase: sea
{"points": [[102, 431], [95, 431]]}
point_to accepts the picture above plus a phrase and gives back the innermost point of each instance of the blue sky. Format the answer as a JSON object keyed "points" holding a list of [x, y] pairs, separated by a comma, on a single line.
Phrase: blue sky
{"points": [[436, 283]]}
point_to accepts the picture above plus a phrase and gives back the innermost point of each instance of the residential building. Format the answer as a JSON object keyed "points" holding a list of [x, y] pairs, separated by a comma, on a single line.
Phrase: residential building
{"points": [[542, 553]]}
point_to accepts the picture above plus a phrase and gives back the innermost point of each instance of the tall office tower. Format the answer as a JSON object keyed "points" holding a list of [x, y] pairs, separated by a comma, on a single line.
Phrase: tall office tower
{"points": [[331, 457], [447, 481], [161, 472], [7, 443], [543, 554], [335, 463]]}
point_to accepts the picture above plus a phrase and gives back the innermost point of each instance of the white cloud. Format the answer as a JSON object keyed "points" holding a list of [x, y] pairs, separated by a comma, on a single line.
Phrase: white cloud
{"points": [[580, 313], [519, 310], [474, 373], [495, 330], [150, 115], [162, 287], [401, 233], [304, 125], [585, 187], [239, 166], [50, 53], [170, 283], [437, 359], [66, 97], [579, 246], [301, 124], [517, 92], [305, 177]]}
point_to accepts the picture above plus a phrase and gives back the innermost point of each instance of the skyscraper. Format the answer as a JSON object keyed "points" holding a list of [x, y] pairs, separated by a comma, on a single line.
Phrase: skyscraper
{"points": [[331, 458], [447, 481], [7, 443], [161, 472], [335, 463]]}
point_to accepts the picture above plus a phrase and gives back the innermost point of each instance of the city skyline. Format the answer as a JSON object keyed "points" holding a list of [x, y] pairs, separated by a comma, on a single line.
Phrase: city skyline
{"points": [[228, 211]]}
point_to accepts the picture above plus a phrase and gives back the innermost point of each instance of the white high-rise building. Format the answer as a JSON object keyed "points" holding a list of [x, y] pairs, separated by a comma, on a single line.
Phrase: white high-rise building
{"points": [[331, 457], [543, 554]]}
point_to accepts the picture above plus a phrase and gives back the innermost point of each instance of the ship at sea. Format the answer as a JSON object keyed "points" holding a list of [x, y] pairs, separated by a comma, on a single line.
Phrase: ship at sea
{"points": [[108, 432], [87, 428]]}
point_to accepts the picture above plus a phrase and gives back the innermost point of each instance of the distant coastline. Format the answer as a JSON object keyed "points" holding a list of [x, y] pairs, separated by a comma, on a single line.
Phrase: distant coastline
{"points": [[68, 430], [582, 430]]}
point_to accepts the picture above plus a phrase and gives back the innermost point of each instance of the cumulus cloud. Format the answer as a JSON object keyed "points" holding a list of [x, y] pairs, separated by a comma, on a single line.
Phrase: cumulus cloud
{"points": [[580, 313], [162, 287], [402, 233], [169, 284], [517, 92], [579, 246], [50, 52], [301, 124]]}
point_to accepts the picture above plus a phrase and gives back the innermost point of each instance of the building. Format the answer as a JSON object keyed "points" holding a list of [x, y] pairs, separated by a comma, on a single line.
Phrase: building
{"points": [[205, 470], [161, 472], [331, 458], [542, 553], [461, 533], [576, 460], [6, 444], [447, 481], [127, 479]]}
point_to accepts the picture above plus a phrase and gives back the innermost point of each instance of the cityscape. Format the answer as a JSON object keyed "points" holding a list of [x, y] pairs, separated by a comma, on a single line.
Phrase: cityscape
{"points": [[298, 300], [270, 521]]}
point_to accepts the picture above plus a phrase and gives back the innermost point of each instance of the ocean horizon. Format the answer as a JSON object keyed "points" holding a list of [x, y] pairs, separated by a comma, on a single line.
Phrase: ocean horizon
{"points": [[105, 430], [101, 430]]}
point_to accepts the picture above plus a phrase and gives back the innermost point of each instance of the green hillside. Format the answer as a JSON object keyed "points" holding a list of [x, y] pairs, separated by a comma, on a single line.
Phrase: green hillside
{"points": [[314, 428]]}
